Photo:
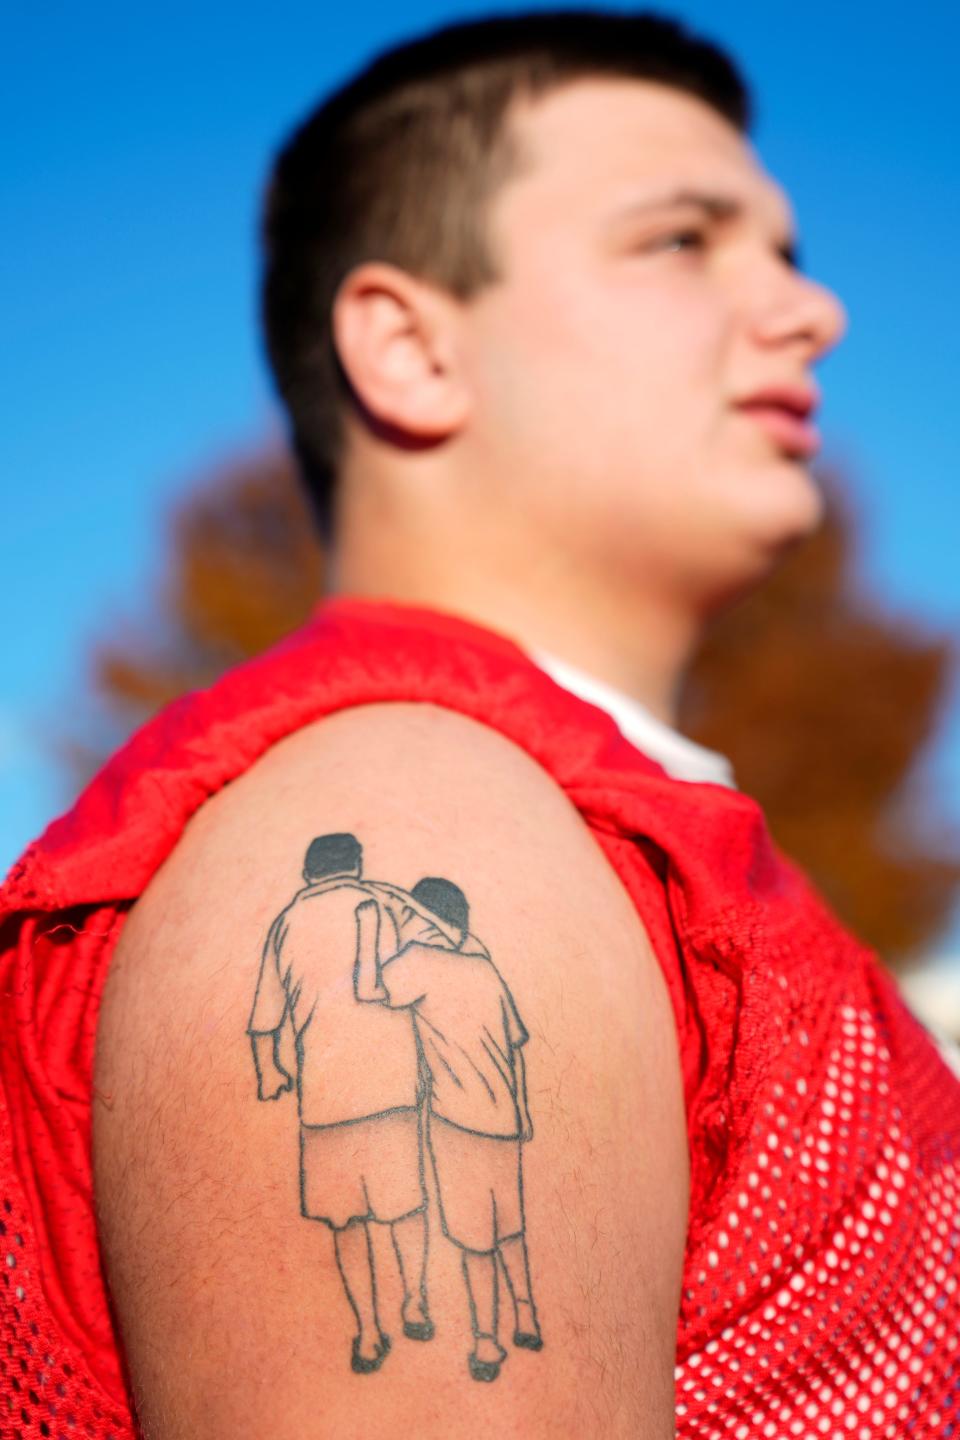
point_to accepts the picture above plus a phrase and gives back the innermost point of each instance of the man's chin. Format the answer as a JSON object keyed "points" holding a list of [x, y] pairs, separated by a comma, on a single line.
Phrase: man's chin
{"points": [[783, 506], [767, 534]]}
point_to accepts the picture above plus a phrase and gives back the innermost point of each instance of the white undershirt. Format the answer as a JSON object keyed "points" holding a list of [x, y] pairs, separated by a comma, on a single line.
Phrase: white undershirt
{"points": [[682, 758]]}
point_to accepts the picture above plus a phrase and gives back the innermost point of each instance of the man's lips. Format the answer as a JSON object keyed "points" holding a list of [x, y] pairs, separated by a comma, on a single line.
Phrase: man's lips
{"points": [[792, 432]]}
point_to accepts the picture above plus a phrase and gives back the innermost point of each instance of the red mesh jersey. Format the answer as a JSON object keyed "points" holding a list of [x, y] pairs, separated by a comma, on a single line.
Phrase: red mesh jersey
{"points": [[820, 1293]]}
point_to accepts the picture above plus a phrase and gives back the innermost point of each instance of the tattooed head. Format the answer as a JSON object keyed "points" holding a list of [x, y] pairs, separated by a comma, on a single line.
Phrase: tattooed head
{"points": [[444, 899], [332, 855]]}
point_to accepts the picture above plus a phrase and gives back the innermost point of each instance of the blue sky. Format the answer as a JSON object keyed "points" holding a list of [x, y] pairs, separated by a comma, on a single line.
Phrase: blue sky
{"points": [[131, 359]]}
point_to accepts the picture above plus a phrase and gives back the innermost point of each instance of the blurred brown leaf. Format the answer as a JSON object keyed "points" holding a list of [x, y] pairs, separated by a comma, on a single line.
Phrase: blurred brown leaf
{"points": [[825, 704], [245, 568]]}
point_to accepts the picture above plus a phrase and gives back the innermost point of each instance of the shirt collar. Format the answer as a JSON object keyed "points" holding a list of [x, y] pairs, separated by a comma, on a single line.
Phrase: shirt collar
{"points": [[681, 758]]}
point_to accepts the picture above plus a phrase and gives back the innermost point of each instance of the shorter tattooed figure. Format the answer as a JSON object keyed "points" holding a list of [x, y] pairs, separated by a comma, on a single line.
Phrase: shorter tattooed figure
{"points": [[470, 1039]]}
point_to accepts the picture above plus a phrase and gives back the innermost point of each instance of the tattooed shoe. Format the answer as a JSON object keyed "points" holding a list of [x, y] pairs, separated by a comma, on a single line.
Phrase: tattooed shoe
{"points": [[417, 1324], [527, 1334], [486, 1358], [362, 1364]]}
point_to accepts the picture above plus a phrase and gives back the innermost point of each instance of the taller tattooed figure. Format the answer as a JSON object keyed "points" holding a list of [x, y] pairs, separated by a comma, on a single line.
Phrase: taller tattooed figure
{"points": [[471, 1040], [357, 1086]]}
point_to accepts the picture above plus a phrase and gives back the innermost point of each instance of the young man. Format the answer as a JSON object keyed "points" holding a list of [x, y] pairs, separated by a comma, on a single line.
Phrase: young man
{"points": [[532, 304], [471, 1039]]}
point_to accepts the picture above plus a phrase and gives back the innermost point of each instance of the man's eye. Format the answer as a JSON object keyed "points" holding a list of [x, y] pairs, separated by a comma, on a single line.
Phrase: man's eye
{"points": [[680, 239]]}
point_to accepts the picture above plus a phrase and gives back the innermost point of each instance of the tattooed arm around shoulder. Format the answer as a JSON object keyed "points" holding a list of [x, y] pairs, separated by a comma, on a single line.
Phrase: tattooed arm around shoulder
{"points": [[395, 1138]]}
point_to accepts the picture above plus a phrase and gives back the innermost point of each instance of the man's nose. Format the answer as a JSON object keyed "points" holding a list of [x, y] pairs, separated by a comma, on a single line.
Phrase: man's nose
{"points": [[829, 316], [802, 309]]}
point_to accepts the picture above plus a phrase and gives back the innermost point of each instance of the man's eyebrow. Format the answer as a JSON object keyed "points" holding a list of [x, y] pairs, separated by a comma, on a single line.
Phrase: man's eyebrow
{"points": [[716, 204]]}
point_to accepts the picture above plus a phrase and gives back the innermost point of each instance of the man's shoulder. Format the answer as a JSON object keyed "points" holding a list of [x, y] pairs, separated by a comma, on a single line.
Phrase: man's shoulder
{"points": [[193, 1171], [417, 766], [407, 737], [424, 792]]}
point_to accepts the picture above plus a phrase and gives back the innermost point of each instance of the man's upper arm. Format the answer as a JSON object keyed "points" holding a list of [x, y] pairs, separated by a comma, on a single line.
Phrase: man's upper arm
{"points": [[224, 1228]]}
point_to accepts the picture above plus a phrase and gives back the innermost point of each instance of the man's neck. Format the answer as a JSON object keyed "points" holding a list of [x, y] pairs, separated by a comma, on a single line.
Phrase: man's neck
{"points": [[636, 649], [640, 648], [446, 547]]}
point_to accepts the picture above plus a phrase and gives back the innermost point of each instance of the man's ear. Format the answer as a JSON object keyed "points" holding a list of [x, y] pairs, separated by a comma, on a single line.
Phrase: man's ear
{"points": [[397, 338]]}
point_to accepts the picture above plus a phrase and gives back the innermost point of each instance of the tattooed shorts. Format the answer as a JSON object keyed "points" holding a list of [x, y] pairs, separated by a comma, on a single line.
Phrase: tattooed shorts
{"points": [[478, 1185], [362, 1169]]}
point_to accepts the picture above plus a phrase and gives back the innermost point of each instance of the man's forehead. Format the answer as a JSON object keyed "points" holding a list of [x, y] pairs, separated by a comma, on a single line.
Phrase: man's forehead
{"points": [[620, 143]]}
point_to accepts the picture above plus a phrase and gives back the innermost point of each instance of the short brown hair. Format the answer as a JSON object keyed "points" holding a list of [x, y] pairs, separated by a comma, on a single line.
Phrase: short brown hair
{"points": [[399, 164]]}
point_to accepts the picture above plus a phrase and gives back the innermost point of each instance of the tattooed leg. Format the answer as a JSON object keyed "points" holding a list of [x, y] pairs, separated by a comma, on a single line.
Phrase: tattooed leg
{"points": [[410, 1243], [355, 1260], [526, 1331], [480, 1274]]}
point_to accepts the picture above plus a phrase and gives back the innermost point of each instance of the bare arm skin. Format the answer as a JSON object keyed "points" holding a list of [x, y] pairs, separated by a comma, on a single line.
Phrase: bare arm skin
{"points": [[237, 1273]]}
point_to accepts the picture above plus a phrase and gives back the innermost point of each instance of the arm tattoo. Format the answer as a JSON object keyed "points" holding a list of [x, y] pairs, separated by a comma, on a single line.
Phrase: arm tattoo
{"points": [[392, 984]]}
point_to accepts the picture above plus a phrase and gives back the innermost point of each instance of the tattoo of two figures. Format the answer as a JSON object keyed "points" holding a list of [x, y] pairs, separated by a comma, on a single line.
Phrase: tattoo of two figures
{"points": [[416, 1016]]}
